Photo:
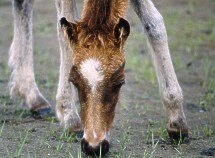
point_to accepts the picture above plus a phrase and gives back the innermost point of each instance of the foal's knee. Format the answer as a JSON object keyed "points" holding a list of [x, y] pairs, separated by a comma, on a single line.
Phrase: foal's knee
{"points": [[172, 98]]}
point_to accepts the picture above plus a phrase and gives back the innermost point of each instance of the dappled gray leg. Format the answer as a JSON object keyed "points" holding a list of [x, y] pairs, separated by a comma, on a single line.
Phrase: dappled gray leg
{"points": [[22, 80], [170, 90], [66, 96]]}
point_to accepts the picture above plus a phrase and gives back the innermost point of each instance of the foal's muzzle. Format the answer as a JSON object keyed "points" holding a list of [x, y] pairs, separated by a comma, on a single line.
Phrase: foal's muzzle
{"points": [[101, 149]]}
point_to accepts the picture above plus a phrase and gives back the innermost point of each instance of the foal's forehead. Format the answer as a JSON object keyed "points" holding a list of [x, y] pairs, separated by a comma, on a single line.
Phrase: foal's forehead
{"points": [[92, 71], [96, 70], [99, 67]]}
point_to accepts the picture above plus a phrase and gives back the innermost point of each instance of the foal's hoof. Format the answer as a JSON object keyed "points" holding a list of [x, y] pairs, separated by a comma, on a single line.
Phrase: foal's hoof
{"points": [[177, 132], [42, 113], [178, 135]]}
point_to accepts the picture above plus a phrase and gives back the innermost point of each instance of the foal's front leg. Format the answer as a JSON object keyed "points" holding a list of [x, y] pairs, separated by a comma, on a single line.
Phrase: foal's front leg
{"points": [[170, 90], [66, 95], [22, 80]]}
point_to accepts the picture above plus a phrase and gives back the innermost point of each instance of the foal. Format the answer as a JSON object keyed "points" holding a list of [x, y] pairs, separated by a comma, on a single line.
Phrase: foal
{"points": [[94, 66]]}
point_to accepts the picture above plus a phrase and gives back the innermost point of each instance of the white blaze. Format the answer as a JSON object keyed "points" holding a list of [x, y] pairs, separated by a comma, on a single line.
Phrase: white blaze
{"points": [[92, 71]]}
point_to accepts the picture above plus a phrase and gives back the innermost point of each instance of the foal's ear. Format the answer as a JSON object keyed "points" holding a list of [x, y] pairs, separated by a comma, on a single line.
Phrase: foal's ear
{"points": [[69, 28], [122, 30]]}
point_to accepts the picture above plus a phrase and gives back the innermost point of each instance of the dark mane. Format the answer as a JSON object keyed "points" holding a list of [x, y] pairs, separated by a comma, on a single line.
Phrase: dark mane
{"points": [[99, 18], [103, 12], [97, 36]]}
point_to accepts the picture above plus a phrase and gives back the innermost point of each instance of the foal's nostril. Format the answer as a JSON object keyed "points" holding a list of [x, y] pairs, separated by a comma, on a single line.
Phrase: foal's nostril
{"points": [[101, 149]]}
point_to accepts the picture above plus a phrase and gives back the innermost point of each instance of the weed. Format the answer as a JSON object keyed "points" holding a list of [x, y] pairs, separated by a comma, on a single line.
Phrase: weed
{"points": [[22, 142], [150, 153], [180, 138], [207, 130], [66, 136], [206, 70], [2, 127], [124, 138], [179, 151], [59, 147], [5, 107], [8, 153], [79, 153], [35, 153], [153, 141], [48, 145], [207, 98], [162, 132], [196, 132], [148, 134]]}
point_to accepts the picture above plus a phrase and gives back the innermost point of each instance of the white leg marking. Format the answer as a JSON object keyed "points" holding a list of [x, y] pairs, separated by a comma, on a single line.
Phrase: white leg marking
{"points": [[22, 80], [170, 89], [66, 95]]}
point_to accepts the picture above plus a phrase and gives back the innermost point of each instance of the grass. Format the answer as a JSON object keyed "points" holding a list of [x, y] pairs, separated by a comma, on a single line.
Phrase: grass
{"points": [[139, 60], [2, 127], [179, 151], [22, 142], [150, 153], [208, 130]]}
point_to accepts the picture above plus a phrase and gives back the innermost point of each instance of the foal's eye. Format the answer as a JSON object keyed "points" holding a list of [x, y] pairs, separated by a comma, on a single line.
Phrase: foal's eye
{"points": [[74, 76], [71, 80], [118, 85]]}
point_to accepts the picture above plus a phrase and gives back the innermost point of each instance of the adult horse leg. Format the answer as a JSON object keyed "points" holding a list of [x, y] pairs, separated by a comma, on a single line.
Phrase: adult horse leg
{"points": [[22, 80], [66, 95], [170, 90]]}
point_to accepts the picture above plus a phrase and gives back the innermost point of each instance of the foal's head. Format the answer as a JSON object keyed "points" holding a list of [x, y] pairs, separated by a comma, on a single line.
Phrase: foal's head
{"points": [[98, 74]]}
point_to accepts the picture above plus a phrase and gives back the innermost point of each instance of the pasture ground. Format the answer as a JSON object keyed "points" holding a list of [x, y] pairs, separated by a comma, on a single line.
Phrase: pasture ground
{"points": [[139, 129]]}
